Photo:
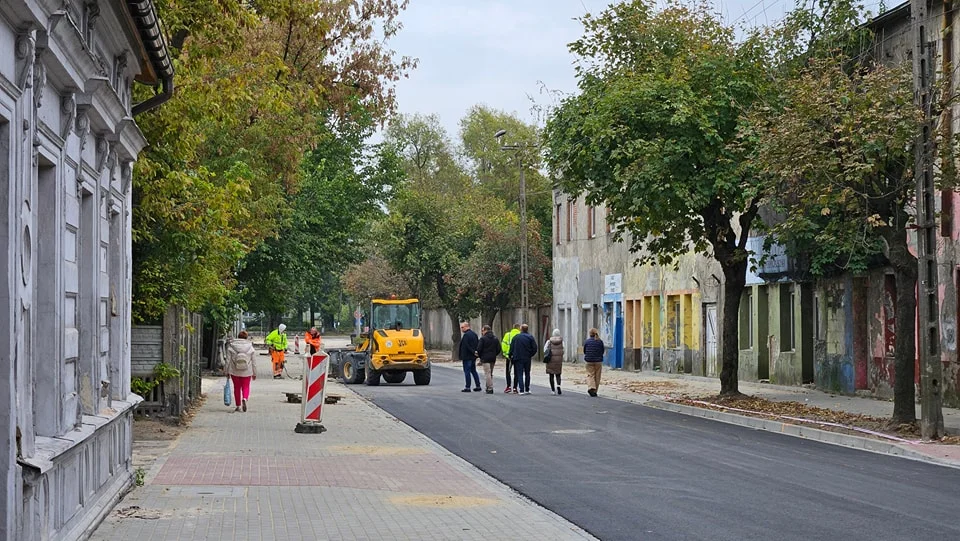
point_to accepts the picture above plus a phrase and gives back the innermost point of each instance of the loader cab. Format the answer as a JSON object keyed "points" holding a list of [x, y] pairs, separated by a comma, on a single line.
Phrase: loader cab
{"points": [[393, 322], [395, 314]]}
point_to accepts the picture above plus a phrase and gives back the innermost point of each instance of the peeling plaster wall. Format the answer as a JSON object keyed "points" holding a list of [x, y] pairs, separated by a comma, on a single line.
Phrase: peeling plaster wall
{"points": [[833, 348], [880, 339], [582, 261], [566, 309], [949, 310], [785, 366]]}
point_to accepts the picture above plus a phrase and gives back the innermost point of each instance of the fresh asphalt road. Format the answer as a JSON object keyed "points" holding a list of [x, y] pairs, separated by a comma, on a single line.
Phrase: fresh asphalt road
{"points": [[625, 471]]}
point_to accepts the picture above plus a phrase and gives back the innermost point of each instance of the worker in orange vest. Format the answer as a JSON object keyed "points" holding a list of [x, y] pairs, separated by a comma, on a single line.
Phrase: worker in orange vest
{"points": [[312, 339]]}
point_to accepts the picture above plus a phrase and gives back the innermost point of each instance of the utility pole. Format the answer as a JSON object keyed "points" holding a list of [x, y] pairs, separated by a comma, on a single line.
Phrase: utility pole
{"points": [[524, 299], [928, 304], [524, 290]]}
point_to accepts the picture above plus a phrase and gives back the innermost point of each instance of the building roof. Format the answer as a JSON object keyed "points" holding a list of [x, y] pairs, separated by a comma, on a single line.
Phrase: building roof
{"points": [[158, 64], [895, 14]]}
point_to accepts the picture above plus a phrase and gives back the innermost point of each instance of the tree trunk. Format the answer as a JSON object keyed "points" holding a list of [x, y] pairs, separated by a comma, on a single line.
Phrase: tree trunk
{"points": [[730, 250], [455, 322], [905, 353], [489, 316], [735, 279]]}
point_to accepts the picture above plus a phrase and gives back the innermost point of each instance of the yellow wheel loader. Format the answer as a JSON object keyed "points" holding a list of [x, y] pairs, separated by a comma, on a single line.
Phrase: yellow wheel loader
{"points": [[391, 347]]}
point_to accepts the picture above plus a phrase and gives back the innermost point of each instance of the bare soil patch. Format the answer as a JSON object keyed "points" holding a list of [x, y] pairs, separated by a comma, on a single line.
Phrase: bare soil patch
{"points": [[796, 412], [651, 387], [154, 428]]}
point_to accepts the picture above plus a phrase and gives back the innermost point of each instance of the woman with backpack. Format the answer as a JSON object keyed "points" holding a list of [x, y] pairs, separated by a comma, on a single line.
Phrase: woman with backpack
{"points": [[242, 368]]}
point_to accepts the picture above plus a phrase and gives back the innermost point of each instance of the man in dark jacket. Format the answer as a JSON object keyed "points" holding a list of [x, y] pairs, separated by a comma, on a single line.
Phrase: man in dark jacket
{"points": [[487, 351], [468, 356], [593, 359], [523, 349]]}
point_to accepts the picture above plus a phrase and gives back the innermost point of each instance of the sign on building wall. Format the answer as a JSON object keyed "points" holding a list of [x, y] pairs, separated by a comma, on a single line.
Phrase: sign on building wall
{"points": [[612, 283], [767, 264]]}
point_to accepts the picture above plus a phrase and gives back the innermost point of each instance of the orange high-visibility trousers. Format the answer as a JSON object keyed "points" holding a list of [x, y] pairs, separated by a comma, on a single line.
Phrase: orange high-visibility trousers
{"points": [[277, 358]]}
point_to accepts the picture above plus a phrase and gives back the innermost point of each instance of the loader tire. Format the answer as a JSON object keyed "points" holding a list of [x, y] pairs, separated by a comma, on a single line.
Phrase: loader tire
{"points": [[373, 377], [394, 377], [422, 377], [350, 373]]}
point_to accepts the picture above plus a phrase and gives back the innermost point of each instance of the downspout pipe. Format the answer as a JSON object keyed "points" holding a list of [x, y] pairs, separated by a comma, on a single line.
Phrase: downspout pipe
{"points": [[157, 100]]}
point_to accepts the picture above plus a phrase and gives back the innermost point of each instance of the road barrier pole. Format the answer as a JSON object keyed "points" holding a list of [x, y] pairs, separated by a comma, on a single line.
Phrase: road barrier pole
{"points": [[314, 384]]}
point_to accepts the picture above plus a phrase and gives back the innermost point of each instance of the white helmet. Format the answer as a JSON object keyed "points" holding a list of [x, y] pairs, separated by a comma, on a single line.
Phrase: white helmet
{"points": [[282, 327]]}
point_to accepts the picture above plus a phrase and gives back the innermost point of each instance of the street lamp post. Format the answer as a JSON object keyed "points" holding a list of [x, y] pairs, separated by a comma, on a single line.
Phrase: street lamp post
{"points": [[518, 148]]}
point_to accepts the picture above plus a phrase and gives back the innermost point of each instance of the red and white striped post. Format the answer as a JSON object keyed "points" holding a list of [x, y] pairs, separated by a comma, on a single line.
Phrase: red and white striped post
{"points": [[314, 383]]}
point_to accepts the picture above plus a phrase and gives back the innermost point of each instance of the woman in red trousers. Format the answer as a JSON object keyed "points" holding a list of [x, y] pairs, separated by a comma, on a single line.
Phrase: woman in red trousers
{"points": [[242, 368]]}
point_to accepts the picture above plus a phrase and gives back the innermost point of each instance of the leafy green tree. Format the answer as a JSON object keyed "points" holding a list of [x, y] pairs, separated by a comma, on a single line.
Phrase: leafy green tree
{"points": [[498, 172], [426, 238], [488, 280], [345, 189], [448, 233], [651, 133], [842, 163], [429, 159], [372, 278], [254, 80]]}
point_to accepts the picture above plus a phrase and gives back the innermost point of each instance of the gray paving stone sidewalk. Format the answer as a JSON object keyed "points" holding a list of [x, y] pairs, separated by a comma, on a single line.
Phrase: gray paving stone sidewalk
{"points": [[248, 476]]}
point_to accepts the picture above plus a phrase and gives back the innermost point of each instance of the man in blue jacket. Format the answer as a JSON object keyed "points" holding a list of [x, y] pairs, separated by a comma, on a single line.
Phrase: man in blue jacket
{"points": [[593, 359], [523, 349], [469, 341]]}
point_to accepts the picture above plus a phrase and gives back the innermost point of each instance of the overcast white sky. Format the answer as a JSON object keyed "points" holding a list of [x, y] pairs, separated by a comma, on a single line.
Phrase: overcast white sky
{"points": [[497, 52]]}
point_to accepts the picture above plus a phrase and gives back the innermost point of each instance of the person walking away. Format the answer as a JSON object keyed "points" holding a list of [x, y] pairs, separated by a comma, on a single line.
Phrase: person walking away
{"points": [[505, 346], [523, 348], [311, 341], [241, 366], [277, 344], [593, 359], [554, 348], [487, 351], [469, 341]]}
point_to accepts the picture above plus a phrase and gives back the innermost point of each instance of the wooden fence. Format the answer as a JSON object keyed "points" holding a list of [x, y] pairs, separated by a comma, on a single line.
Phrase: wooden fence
{"points": [[178, 343]]}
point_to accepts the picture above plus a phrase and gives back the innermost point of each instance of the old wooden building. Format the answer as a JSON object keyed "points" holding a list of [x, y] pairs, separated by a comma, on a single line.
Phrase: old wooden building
{"points": [[68, 141]]}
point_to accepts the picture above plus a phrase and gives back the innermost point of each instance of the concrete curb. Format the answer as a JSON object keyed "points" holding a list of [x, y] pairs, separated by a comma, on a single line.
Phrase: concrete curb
{"points": [[805, 432]]}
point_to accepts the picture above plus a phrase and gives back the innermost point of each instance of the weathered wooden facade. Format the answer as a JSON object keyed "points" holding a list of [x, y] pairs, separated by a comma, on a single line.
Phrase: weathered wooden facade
{"points": [[68, 141], [178, 343]]}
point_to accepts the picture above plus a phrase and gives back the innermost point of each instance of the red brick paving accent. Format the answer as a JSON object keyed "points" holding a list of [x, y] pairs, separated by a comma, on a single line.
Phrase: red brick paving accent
{"points": [[397, 473]]}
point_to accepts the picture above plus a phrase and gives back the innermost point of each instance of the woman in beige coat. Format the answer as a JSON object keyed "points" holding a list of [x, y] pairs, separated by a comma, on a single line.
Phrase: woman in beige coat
{"points": [[554, 348], [242, 367]]}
